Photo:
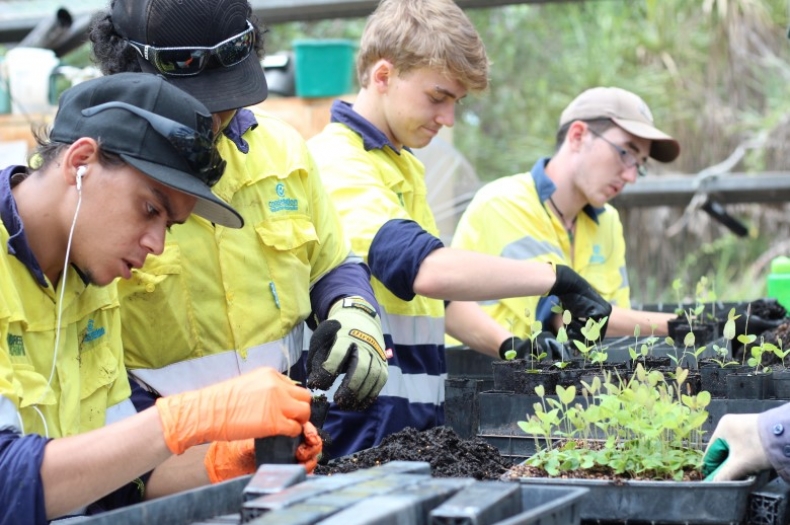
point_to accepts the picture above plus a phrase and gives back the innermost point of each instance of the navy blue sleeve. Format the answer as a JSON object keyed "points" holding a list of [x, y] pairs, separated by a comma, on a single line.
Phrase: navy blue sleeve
{"points": [[343, 281], [141, 398], [396, 254], [21, 489]]}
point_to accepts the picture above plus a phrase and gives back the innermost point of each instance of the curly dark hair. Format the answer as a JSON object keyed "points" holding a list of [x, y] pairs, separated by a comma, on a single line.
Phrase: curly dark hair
{"points": [[112, 53]]}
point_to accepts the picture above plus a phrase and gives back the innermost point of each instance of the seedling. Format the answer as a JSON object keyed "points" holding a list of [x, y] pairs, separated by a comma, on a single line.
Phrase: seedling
{"points": [[645, 428]]}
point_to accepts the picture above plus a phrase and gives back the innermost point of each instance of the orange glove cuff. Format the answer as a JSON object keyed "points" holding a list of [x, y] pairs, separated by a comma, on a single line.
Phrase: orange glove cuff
{"points": [[229, 459]]}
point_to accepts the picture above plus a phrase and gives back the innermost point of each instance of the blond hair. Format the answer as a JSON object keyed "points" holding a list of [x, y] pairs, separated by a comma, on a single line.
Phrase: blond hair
{"points": [[424, 33]]}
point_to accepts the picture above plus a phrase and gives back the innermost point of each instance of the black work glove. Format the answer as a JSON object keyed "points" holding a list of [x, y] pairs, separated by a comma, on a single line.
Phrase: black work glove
{"points": [[545, 342], [579, 298], [756, 317]]}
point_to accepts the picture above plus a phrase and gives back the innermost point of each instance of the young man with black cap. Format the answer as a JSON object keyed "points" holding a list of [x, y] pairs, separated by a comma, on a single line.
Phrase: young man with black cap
{"points": [[558, 212], [218, 302], [128, 157]]}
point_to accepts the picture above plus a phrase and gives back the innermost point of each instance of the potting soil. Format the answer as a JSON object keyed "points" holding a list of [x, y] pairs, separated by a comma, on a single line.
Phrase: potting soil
{"points": [[448, 454]]}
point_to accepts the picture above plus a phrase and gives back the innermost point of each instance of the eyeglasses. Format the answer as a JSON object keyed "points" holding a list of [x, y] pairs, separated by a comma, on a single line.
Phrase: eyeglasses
{"points": [[187, 61], [195, 147], [628, 159]]}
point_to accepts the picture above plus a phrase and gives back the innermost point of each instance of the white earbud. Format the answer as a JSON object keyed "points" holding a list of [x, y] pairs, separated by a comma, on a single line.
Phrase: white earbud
{"points": [[80, 173]]}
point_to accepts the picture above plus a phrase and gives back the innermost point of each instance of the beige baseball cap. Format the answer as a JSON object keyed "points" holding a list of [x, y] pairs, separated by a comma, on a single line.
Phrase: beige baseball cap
{"points": [[626, 110]]}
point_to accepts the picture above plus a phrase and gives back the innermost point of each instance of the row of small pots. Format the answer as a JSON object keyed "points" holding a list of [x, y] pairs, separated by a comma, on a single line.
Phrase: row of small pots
{"points": [[733, 382]]}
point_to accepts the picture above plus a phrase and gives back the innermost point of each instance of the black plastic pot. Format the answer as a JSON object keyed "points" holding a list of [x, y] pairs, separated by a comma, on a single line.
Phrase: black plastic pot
{"points": [[781, 383], [570, 376], [505, 373], [650, 362], [318, 410], [704, 332], [748, 385], [278, 450], [692, 385], [714, 377], [525, 382]]}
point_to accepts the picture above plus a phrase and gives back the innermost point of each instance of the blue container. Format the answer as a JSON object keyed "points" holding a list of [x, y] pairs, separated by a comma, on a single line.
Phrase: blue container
{"points": [[323, 68]]}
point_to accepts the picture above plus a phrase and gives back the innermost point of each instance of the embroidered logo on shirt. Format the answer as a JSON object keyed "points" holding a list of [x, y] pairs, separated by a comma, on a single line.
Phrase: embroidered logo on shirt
{"points": [[597, 257], [16, 345], [90, 333], [282, 204]]}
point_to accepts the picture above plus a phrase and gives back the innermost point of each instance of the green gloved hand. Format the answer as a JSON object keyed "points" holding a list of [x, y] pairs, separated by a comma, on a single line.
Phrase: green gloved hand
{"points": [[350, 341], [715, 456]]}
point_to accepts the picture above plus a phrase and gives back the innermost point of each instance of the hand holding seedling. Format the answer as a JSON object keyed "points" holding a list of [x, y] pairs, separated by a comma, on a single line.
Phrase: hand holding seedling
{"points": [[579, 298], [350, 341]]}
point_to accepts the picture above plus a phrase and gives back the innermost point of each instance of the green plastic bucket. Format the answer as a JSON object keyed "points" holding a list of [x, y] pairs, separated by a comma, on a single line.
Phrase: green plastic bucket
{"points": [[323, 68]]}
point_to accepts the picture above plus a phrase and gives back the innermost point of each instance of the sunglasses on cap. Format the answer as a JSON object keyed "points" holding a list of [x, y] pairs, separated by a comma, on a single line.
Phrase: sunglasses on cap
{"points": [[195, 147], [187, 61]]}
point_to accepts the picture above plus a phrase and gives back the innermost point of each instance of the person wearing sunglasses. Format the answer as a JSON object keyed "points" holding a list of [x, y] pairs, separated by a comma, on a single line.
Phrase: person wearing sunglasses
{"points": [[559, 211], [218, 301], [128, 157]]}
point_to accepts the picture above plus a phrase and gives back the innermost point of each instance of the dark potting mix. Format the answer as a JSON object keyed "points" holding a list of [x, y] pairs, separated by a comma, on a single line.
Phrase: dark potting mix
{"points": [[448, 454]]}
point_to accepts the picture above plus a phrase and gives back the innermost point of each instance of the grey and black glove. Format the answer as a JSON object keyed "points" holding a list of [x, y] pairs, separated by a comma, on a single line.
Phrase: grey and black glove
{"points": [[545, 342], [350, 341], [579, 298]]}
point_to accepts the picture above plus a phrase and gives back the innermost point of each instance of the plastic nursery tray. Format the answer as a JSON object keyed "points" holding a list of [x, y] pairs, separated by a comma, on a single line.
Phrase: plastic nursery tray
{"points": [[665, 502], [499, 412]]}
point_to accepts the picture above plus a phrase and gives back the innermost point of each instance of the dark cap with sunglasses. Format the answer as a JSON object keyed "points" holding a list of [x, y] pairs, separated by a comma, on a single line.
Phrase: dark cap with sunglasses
{"points": [[154, 127], [205, 47], [628, 111]]}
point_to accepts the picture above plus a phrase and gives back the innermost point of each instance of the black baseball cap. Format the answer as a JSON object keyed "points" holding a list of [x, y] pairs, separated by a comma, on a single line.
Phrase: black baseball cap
{"points": [[198, 23], [153, 126]]}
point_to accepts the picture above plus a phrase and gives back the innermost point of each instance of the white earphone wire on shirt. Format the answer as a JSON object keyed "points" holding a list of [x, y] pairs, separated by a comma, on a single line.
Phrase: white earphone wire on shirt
{"points": [[58, 328]]}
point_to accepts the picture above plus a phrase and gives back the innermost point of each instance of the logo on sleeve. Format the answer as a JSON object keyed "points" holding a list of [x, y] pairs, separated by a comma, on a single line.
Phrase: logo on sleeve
{"points": [[283, 203]]}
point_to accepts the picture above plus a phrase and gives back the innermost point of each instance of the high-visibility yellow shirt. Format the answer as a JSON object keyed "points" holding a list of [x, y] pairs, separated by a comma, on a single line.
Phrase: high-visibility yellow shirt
{"points": [[220, 301], [373, 184], [89, 382], [509, 217]]}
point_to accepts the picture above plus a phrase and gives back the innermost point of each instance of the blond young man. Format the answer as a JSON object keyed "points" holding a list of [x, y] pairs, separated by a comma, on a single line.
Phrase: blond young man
{"points": [[417, 59]]}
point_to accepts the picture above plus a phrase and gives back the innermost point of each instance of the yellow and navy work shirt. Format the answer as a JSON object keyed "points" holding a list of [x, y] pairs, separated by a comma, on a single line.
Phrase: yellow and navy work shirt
{"points": [[221, 301], [509, 217], [382, 200], [86, 389]]}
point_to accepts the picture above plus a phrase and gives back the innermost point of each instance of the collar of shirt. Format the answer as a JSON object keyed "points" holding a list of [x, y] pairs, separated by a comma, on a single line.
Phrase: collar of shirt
{"points": [[372, 137], [17, 240], [243, 121], [546, 188]]}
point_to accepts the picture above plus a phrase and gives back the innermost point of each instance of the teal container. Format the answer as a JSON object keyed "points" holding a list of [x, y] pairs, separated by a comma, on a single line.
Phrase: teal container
{"points": [[779, 280], [5, 94], [323, 68]]}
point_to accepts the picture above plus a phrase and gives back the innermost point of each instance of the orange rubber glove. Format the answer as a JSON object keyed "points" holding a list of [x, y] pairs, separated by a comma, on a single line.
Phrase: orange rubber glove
{"points": [[257, 404], [230, 459], [309, 451]]}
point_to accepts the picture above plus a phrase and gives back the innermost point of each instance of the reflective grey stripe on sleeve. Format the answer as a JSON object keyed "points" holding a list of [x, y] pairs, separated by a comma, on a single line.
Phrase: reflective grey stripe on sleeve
{"points": [[119, 411], [412, 331], [528, 248], [203, 371], [9, 416], [624, 277]]}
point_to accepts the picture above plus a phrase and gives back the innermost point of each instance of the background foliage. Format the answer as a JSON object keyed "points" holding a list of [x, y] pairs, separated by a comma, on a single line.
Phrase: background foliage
{"points": [[715, 74]]}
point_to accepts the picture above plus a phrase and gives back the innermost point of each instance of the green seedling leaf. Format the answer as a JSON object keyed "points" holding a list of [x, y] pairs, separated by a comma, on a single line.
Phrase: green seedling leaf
{"points": [[637, 330], [562, 335], [510, 355], [729, 328], [689, 339], [540, 390], [566, 395], [566, 317], [747, 339]]}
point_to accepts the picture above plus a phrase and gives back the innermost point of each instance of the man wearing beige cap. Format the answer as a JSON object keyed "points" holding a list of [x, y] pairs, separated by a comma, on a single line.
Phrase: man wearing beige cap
{"points": [[558, 211]]}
